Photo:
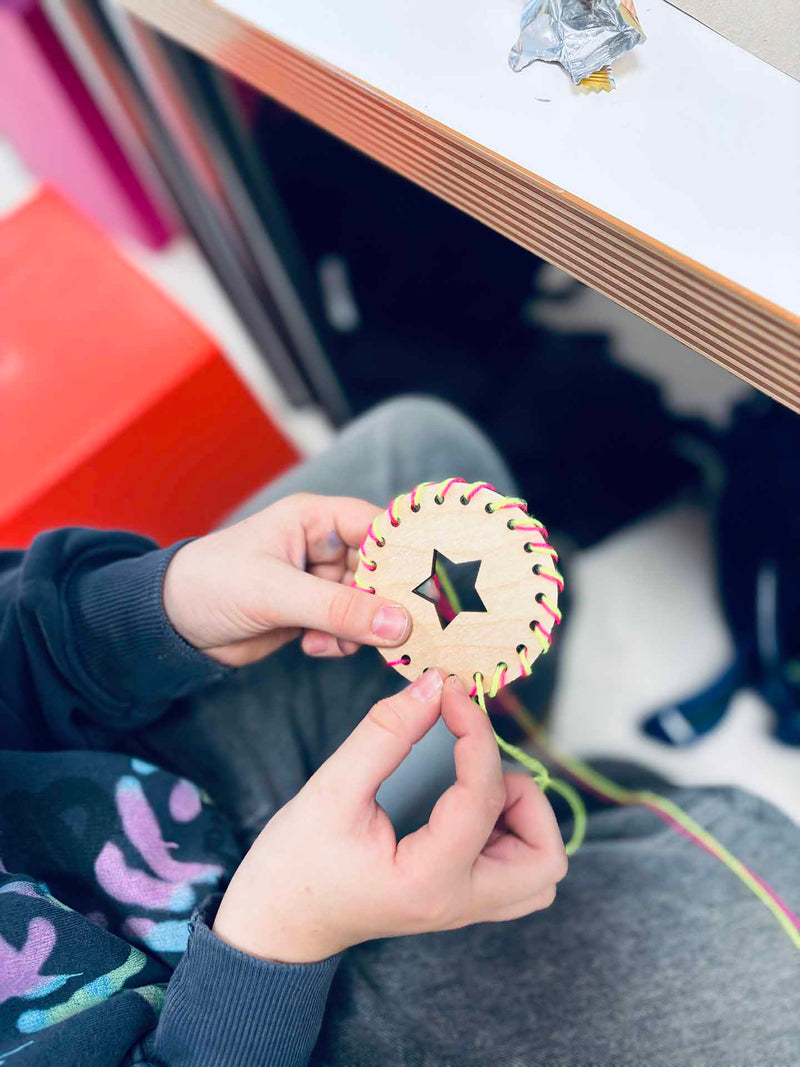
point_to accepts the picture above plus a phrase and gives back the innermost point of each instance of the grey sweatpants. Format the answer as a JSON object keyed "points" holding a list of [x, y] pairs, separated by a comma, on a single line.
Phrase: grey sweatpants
{"points": [[653, 955]]}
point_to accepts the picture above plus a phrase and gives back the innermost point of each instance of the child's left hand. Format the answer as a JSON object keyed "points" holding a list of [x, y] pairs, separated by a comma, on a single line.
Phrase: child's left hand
{"points": [[242, 592]]}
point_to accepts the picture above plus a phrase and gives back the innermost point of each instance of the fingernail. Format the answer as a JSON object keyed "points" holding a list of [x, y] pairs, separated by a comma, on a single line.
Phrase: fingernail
{"points": [[390, 622], [426, 687], [315, 645]]}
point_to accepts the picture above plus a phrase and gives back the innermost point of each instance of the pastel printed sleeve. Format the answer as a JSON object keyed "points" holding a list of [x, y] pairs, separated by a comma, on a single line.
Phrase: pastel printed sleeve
{"points": [[73, 993], [106, 951]]}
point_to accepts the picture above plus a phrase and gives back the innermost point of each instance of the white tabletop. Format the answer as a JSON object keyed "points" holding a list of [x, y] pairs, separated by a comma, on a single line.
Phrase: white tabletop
{"points": [[698, 146]]}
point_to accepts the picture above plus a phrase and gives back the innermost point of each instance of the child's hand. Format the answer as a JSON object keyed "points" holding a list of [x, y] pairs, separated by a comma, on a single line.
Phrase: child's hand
{"points": [[327, 871], [242, 592]]}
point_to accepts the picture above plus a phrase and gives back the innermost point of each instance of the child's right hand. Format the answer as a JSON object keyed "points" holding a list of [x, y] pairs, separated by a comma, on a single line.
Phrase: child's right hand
{"points": [[327, 871]]}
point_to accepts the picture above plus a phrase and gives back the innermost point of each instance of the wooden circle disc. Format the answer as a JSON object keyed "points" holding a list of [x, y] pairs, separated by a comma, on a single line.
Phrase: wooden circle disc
{"points": [[473, 641]]}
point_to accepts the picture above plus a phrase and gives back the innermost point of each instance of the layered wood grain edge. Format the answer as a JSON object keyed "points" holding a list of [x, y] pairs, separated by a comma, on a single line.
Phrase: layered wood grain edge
{"points": [[737, 329]]}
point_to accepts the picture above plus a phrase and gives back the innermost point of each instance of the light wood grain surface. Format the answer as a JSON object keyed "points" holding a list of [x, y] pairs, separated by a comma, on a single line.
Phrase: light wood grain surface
{"points": [[474, 641]]}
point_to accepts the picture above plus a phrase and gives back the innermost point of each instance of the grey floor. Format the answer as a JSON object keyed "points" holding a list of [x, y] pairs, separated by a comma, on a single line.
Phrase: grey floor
{"points": [[622, 656]]}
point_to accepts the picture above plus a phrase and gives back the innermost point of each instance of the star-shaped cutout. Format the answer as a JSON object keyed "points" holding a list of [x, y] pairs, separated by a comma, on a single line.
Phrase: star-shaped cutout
{"points": [[450, 587]]}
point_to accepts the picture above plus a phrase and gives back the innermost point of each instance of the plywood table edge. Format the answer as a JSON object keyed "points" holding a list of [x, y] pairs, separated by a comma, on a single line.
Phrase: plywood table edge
{"points": [[734, 327]]}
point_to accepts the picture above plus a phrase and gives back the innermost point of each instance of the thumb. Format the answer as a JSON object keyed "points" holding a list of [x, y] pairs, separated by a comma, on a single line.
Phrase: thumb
{"points": [[382, 740], [301, 599]]}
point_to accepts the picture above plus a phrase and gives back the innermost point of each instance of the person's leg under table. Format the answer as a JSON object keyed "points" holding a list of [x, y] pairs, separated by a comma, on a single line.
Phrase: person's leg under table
{"points": [[253, 740], [390, 450]]}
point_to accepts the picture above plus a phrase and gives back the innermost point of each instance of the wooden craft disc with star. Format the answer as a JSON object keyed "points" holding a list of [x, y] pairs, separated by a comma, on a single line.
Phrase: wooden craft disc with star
{"points": [[488, 559]]}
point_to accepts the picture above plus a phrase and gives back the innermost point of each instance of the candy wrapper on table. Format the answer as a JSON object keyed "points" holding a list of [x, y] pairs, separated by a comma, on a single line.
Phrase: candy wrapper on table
{"points": [[584, 36]]}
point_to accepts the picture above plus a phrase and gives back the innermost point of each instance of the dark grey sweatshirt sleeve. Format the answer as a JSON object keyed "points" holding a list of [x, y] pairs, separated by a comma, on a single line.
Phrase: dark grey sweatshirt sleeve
{"points": [[88, 648], [87, 651], [226, 1009]]}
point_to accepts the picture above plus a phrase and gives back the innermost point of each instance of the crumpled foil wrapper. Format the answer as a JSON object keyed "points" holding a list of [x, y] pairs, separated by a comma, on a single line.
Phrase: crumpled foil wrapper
{"points": [[581, 35]]}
